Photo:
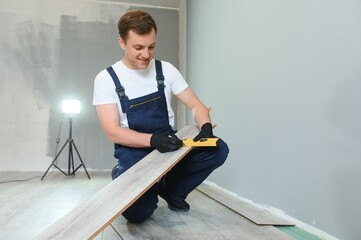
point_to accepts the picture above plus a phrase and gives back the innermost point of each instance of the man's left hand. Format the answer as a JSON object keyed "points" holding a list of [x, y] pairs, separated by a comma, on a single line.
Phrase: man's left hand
{"points": [[206, 132]]}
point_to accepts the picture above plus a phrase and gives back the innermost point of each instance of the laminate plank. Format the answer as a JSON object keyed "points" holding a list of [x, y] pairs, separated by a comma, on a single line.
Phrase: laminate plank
{"points": [[26, 208], [255, 214], [207, 220], [109, 233], [93, 215]]}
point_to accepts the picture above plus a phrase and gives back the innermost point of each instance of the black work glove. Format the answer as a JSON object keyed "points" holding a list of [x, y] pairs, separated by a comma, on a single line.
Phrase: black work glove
{"points": [[206, 132], [165, 142]]}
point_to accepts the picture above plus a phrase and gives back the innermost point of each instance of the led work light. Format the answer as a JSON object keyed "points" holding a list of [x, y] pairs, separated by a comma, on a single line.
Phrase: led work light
{"points": [[71, 106]]}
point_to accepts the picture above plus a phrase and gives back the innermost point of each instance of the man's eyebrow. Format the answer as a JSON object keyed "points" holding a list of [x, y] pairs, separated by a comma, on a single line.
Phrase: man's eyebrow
{"points": [[140, 45]]}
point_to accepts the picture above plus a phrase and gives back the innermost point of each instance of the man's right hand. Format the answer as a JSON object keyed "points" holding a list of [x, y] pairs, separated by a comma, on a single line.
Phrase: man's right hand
{"points": [[165, 142]]}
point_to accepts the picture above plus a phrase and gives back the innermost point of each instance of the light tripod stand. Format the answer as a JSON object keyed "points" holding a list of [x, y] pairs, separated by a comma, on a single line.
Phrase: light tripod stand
{"points": [[70, 142]]}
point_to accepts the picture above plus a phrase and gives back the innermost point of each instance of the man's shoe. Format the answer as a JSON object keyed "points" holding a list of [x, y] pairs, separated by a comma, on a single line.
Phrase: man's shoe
{"points": [[182, 206]]}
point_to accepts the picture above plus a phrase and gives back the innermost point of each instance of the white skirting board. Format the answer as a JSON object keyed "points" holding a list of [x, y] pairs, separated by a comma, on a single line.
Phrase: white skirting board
{"points": [[278, 212]]}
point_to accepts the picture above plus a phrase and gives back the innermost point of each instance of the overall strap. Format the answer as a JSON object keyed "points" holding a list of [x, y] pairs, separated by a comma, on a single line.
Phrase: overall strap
{"points": [[119, 89], [160, 76]]}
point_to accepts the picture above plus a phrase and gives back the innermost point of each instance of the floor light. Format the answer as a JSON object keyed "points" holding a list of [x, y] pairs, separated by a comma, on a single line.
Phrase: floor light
{"points": [[69, 108]]}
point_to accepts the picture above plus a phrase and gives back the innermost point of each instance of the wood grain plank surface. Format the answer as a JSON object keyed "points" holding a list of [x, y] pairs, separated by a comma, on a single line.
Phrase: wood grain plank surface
{"points": [[207, 220], [250, 211], [88, 219]]}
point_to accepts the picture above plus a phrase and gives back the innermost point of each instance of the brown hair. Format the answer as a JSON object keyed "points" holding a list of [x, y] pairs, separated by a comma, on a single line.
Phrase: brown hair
{"points": [[137, 21]]}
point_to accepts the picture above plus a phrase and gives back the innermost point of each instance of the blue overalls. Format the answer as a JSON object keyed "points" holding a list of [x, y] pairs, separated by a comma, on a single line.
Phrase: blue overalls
{"points": [[149, 114]]}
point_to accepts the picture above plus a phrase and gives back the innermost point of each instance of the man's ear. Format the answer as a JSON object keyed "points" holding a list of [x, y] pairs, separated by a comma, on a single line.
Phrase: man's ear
{"points": [[121, 43]]}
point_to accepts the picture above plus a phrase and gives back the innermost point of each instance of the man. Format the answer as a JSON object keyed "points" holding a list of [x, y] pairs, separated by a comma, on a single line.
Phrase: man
{"points": [[133, 102]]}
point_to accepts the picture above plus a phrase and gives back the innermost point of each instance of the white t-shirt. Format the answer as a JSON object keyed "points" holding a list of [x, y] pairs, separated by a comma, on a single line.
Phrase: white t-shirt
{"points": [[137, 83]]}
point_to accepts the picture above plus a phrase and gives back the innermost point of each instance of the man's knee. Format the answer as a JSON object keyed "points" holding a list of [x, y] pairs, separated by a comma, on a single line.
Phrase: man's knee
{"points": [[138, 215], [222, 152], [144, 207]]}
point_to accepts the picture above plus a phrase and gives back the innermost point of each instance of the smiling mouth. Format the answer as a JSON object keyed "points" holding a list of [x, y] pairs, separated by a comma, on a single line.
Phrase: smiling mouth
{"points": [[144, 61]]}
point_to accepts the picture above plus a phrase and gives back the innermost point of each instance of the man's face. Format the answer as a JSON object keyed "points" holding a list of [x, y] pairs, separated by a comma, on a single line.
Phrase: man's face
{"points": [[139, 49]]}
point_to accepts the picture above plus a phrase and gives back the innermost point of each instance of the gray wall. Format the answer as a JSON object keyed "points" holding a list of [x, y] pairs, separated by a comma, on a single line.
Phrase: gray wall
{"points": [[54, 49], [283, 80]]}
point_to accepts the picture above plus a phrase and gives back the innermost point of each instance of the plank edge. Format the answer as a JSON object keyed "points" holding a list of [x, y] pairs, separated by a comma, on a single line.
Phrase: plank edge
{"points": [[203, 190]]}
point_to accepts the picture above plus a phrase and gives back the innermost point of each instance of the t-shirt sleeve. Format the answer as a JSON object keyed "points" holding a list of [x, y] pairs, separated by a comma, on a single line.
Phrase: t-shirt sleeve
{"points": [[104, 89], [178, 83]]}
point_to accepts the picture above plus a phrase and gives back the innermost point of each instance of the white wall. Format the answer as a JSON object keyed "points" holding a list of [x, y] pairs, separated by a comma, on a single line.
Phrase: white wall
{"points": [[283, 80]]}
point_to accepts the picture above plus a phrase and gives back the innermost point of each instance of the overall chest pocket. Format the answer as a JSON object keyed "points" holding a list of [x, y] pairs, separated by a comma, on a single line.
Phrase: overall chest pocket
{"points": [[148, 114], [144, 103]]}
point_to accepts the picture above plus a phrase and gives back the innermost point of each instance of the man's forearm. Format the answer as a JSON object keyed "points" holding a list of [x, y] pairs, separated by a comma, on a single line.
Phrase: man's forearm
{"points": [[130, 138], [201, 116]]}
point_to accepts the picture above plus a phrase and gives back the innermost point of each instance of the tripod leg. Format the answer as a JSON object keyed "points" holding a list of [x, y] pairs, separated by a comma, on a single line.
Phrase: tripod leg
{"points": [[70, 158], [81, 160], [47, 171], [53, 162]]}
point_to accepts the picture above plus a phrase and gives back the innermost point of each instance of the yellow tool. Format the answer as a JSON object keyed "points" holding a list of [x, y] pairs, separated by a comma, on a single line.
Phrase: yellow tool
{"points": [[203, 142]]}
